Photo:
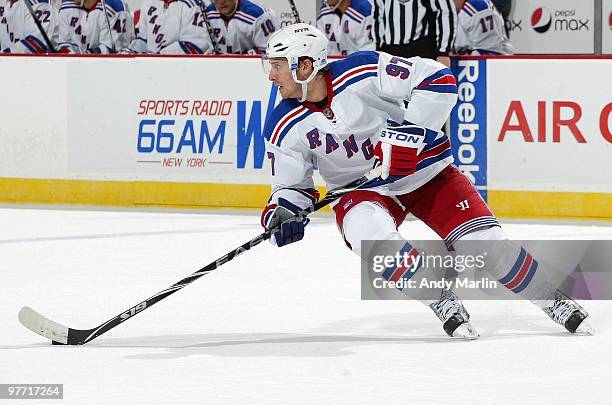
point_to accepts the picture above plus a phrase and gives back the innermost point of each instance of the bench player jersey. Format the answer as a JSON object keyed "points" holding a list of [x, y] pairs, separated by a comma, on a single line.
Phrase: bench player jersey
{"points": [[82, 31], [21, 35], [5, 42], [349, 32], [480, 30], [171, 27], [247, 31]]}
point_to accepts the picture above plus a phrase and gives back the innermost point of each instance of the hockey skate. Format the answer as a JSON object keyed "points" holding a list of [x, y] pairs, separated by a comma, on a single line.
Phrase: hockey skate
{"points": [[449, 309], [569, 314]]}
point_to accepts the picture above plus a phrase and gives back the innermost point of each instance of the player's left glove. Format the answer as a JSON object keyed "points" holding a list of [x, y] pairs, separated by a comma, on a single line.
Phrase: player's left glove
{"points": [[290, 228], [398, 147]]}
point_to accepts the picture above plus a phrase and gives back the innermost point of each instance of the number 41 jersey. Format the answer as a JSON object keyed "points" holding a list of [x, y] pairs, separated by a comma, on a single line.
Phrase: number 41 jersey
{"points": [[87, 31], [172, 27], [364, 91]]}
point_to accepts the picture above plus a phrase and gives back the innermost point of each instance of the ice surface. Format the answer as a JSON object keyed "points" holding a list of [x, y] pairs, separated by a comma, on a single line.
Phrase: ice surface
{"points": [[279, 326]]}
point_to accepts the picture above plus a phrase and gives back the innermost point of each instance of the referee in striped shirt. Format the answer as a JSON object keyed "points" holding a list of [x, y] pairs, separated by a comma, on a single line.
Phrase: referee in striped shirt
{"points": [[408, 28]]}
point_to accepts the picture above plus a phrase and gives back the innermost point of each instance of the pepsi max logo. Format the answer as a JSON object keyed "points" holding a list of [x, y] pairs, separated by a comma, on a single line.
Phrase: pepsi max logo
{"points": [[541, 20], [562, 20]]}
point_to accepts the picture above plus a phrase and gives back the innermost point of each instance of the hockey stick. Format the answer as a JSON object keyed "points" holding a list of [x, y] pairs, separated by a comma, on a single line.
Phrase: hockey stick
{"points": [[296, 15], [110, 32], [40, 27], [209, 28], [60, 334]]}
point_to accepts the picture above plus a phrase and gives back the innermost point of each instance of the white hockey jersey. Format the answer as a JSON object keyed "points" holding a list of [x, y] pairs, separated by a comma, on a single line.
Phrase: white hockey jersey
{"points": [[171, 27], [21, 35], [5, 43], [86, 31], [364, 90], [349, 32], [247, 31], [480, 30]]}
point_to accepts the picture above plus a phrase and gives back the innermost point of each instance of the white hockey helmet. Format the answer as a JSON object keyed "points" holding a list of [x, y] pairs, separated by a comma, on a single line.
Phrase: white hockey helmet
{"points": [[296, 41]]}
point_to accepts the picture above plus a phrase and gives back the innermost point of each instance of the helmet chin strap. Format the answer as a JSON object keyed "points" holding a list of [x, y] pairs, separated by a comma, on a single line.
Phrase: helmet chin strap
{"points": [[235, 7], [304, 92], [304, 83]]}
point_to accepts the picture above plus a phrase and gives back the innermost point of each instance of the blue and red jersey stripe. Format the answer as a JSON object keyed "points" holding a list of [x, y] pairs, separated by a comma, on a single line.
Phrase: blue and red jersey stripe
{"points": [[406, 268], [522, 272], [442, 81], [354, 15], [34, 44]]}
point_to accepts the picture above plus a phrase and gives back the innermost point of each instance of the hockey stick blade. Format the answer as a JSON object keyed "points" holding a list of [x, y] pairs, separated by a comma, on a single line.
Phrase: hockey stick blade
{"points": [[57, 333], [43, 326], [63, 335]]}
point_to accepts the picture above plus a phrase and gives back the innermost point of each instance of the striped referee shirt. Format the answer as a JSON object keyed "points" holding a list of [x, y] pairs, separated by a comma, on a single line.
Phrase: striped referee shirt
{"points": [[404, 21]]}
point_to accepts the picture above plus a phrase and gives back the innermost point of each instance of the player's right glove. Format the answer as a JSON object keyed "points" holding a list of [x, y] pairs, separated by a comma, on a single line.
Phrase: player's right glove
{"points": [[398, 147], [282, 215]]}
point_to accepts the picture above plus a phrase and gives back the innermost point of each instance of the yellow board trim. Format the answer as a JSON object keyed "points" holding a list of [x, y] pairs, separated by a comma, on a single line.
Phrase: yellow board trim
{"points": [[516, 204], [133, 193], [540, 204]]}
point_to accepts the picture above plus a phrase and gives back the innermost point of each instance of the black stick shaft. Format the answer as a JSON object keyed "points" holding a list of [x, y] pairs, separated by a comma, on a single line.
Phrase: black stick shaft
{"points": [[294, 10], [40, 27], [216, 50], [79, 337], [108, 27]]}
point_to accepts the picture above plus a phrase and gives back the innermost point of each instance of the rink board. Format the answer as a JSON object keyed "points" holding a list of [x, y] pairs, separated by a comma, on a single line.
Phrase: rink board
{"points": [[541, 146], [123, 131]]}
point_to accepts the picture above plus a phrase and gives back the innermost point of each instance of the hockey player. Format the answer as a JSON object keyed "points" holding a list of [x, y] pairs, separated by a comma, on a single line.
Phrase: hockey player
{"points": [[84, 27], [347, 24], [20, 32], [171, 27], [480, 29], [345, 115], [241, 26]]}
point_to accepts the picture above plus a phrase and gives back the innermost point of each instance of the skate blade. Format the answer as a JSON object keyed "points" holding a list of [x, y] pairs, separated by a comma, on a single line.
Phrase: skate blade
{"points": [[585, 328], [466, 331]]}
